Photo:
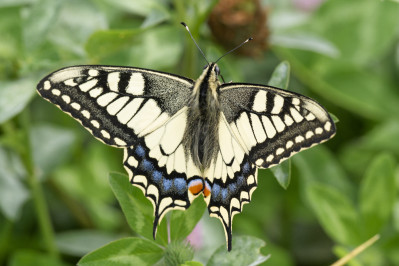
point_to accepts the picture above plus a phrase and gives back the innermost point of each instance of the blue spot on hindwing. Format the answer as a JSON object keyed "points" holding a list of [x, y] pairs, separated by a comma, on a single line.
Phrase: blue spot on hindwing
{"points": [[225, 193], [232, 188], [157, 176], [167, 184], [140, 151], [240, 180], [246, 168], [215, 191], [180, 184], [147, 165]]}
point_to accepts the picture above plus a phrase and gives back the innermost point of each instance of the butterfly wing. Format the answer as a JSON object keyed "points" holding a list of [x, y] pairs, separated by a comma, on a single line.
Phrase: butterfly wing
{"points": [[116, 104], [259, 126], [141, 110], [272, 124], [232, 178], [160, 167]]}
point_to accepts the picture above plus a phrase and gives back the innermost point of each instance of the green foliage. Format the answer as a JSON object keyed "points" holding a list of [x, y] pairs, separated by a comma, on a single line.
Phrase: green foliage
{"points": [[245, 251], [58, 207]]}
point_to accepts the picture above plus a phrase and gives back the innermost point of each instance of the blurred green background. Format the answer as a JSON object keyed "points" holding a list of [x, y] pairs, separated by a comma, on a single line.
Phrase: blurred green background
{"points": [[56, 203]]}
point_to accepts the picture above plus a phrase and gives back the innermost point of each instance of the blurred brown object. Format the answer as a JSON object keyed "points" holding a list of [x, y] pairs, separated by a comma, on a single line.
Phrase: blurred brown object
{"points": [[233, 21]]}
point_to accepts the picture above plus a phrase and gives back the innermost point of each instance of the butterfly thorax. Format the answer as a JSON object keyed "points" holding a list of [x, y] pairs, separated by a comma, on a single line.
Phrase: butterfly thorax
{"points": [[201, 134]]}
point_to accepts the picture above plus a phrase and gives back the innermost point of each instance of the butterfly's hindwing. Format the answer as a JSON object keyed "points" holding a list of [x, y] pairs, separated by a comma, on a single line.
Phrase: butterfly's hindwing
{"points": [[116, 104], [273, 124], [160, 167]]}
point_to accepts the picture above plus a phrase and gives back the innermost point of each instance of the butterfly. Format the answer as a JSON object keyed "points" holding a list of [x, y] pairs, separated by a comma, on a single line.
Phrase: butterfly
{"points": [[183, 138]]}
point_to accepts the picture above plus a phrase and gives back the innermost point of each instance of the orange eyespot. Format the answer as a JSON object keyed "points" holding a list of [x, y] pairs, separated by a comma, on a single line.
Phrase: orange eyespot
{"points": [[195, 187]]}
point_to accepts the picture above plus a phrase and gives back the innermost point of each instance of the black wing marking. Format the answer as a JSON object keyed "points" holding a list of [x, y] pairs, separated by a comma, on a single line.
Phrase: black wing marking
{"points": [[160, 167], [273, 124], [116, 104]]}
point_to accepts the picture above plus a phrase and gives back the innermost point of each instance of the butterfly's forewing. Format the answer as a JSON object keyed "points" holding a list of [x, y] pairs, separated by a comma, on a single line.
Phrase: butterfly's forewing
{"points": [[116, 104], [273, 124]]}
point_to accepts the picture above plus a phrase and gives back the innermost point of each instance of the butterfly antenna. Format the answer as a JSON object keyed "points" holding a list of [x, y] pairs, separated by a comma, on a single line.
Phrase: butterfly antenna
{"points": [[185, 25], [247, 40]]}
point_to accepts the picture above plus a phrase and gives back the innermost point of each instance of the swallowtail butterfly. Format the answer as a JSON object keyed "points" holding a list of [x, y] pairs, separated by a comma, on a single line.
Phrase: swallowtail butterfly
{"points": [[182, 138]]}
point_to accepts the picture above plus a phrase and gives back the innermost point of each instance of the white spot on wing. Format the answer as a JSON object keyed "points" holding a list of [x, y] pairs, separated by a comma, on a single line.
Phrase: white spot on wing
{"points": [[120, 142], [288, 120], [88, 85], [117, 105], [66, 98], [295, 114], [278, 123], [327, 126], [93, 72], [106, 99], [70, 82], [96, 92], [86, 114], [245, 129], [113, 80], [260, 134], [75, 106], [129, 110], [267, 124], [278, 104], [95, 123], [259, 104], [279, 151], [56, 92], [105, 134], [46, 85], [136, 84]]}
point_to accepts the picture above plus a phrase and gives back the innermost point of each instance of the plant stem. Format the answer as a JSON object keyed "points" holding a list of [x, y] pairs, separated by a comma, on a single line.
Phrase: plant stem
{"points": [[43, 217]]}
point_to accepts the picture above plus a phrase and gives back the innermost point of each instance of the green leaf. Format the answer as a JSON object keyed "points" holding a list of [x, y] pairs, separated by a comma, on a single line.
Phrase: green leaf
{"points": [[80, 242], [33, 258], [105, 43], [50, 146], [177, 252], [137, 208], [305, 42], [282, 172], [192, 263], [319, 165], [281, 76], [14, 96], [126, 251], [37, 21], [377, 193], [335, 212], [155, 17], [183, 222], [357, 154], [137, 7], [245, 251], [13, 193]]}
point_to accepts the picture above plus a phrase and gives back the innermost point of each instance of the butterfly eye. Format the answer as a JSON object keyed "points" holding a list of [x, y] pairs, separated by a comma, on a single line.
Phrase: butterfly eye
{"points": [[217, 70]]}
